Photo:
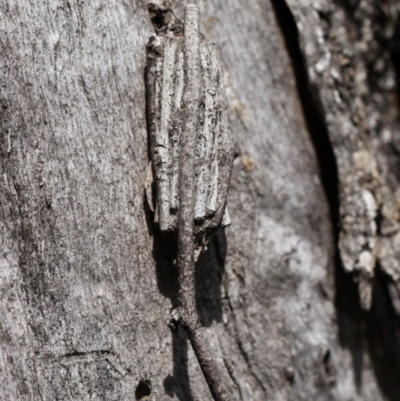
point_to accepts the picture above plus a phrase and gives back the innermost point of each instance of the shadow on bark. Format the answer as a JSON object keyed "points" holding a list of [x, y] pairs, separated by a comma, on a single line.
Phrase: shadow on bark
{"points": [[179, 383], [349, 317], [164, 253], [382, 332], [376, 331], [209, 272]]}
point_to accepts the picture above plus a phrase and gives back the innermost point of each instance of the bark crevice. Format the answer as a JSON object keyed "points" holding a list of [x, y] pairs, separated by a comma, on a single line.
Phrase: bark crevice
{"points": [[347, 303], [312, 111]]}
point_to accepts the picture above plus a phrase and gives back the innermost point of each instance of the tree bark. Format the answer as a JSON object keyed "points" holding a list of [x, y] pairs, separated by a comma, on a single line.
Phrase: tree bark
{"points": [[299, 296]]}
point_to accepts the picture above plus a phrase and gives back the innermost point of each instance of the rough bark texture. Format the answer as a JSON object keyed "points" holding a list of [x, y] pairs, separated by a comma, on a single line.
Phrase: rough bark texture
{"points": [[88, 283]]}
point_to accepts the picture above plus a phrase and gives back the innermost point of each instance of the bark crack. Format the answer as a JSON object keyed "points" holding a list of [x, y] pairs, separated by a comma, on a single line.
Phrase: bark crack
{"points": [[312, 111]]}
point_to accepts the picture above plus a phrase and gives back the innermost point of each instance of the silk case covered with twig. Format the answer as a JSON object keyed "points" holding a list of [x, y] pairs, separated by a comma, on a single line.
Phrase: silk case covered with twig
{"points": [[166, 82]]}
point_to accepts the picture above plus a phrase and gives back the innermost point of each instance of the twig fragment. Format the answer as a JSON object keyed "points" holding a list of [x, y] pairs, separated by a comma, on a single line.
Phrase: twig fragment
{"points": [[192, 157]]}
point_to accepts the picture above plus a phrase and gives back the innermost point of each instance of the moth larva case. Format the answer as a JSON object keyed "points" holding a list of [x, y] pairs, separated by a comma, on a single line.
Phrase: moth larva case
{"points": [[166, 82]]}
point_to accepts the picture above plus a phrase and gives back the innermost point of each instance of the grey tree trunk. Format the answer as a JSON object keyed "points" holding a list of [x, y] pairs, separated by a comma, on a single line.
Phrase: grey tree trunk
{"points": [[299, 296]]}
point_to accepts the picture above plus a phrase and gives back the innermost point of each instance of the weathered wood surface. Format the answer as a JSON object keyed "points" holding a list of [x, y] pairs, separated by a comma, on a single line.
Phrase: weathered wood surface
{"points": [[87, 283]]}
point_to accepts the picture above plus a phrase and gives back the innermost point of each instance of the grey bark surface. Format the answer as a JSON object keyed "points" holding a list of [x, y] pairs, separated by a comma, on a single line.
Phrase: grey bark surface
{"points": [[88, 283]]}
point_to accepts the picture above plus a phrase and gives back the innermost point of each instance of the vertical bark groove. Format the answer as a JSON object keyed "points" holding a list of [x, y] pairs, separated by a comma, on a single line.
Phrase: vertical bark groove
{"points": [[312, 111]]}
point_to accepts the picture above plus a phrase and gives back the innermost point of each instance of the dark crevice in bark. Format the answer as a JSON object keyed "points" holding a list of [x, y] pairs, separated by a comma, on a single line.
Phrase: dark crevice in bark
{"points": [[77, 354], [395, 56], [311, 109], [383, 336], [349, 314], [143, 390]]}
